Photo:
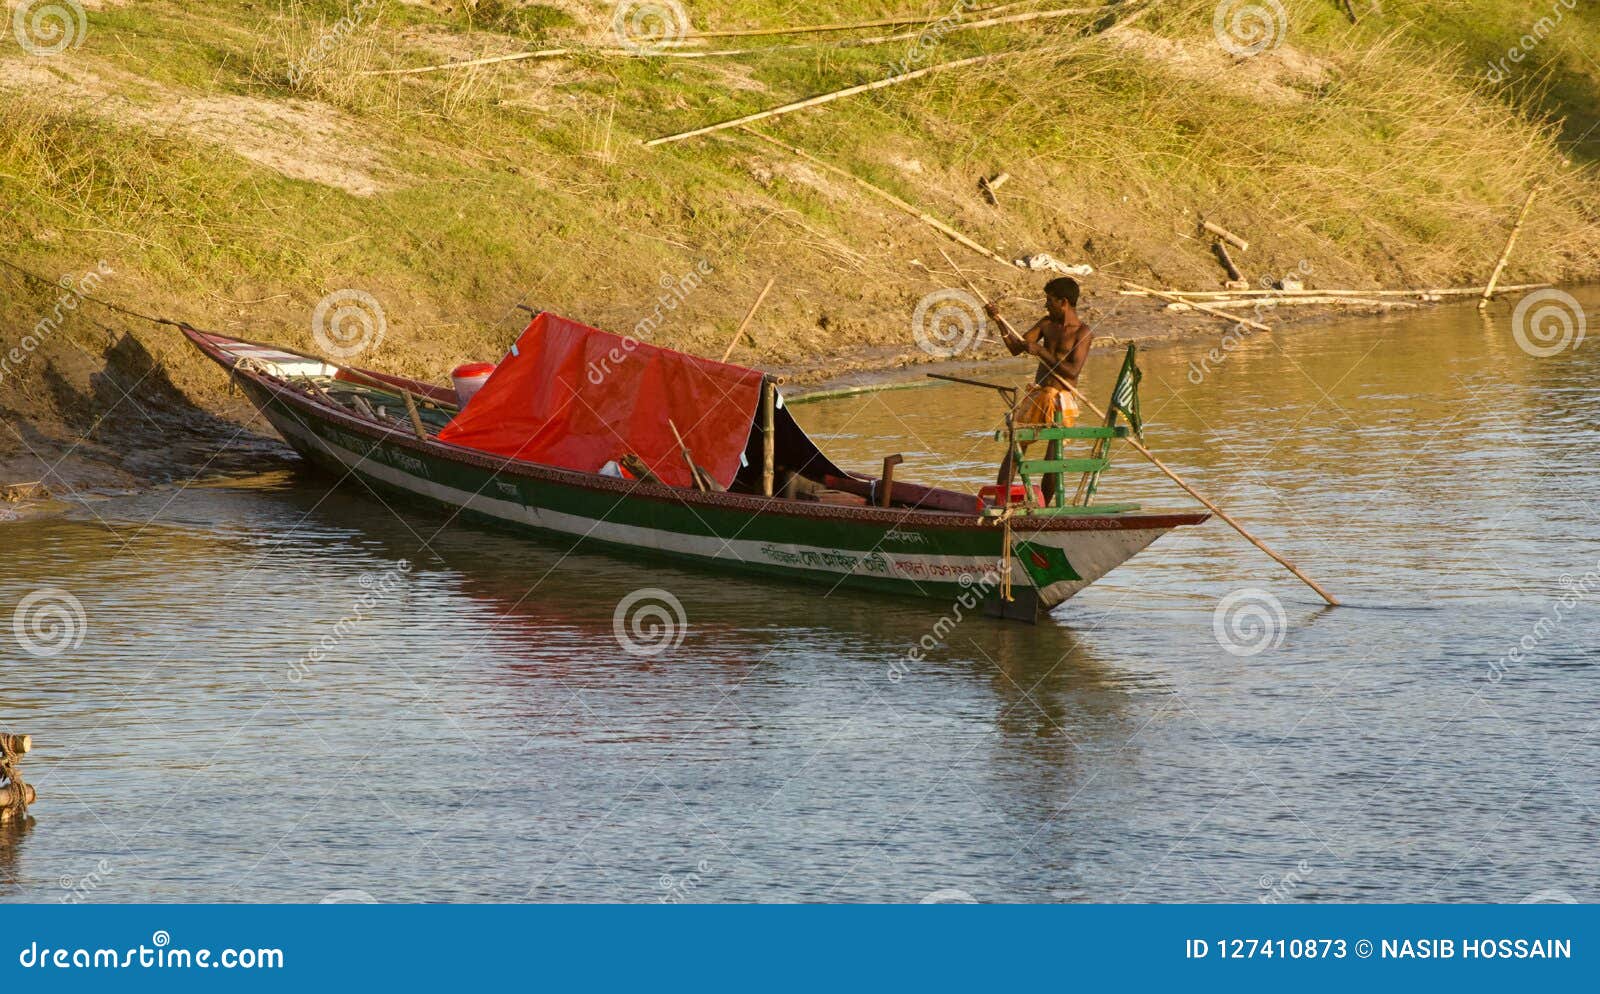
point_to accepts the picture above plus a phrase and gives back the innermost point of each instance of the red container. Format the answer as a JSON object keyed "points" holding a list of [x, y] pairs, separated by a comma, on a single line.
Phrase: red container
{"points": [[991, 496]]}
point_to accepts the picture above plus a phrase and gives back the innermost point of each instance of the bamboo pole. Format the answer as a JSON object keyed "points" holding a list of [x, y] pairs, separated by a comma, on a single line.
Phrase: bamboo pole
{"points": [[1219, 512], [1188, 302], [748, 315], [888, 197], [769, 403], [1226, 235], [1220, 249], [890, 22], [1240, 294], [1180, 481], [822, 98], [1203, 308], [1505, 257], [691, 53], [698, 477], [416, 419]]}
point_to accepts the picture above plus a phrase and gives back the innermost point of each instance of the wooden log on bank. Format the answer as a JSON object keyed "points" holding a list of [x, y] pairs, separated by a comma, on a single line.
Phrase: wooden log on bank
{"points": [[1188, 303], [990, 184], [1226, 235], [1220, 248], [1204, 309], [1244, 296]]}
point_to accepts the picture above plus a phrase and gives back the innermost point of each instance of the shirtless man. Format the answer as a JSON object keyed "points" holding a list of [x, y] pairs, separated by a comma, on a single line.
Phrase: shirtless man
{"points": [[1061, 341]]}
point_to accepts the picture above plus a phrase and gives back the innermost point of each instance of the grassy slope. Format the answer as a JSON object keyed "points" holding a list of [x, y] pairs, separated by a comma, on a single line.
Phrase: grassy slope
{"points": [[1399, 167]]}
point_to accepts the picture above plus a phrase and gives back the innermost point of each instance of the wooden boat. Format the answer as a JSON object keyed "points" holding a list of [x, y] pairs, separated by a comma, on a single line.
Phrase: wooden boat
{"points": [[506, 460]]}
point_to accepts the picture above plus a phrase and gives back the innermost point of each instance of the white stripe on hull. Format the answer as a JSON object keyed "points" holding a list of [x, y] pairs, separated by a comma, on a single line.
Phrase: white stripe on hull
{"points": [[1092, 553]]}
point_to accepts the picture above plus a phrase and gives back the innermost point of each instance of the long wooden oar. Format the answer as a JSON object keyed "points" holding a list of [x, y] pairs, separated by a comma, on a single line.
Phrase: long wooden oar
{"points": [[1180, 481]]}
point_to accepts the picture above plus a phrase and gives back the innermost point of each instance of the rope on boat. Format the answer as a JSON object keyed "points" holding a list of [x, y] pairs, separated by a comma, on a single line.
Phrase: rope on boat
{"points": [[56, 284], [1004, 518], [16, 804]]}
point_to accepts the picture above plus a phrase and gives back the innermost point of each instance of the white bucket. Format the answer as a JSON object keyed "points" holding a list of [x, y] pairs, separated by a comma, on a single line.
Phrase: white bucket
{"points": [[469, 379]]}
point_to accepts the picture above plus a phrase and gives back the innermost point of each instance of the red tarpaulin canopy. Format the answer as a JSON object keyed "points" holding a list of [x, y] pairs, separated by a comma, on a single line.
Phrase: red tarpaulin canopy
{"points": [[572, 396]]}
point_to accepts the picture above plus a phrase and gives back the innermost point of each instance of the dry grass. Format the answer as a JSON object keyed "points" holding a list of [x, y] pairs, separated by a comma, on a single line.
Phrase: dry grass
{"points": [[1369, 155]]}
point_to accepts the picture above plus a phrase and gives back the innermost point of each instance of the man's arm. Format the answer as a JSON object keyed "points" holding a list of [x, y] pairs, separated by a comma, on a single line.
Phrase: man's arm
{"points": [[1016, 344]]}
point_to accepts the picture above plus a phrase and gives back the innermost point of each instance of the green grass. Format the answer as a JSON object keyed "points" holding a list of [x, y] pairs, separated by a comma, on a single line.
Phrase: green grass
{"points": [[528, 180]]}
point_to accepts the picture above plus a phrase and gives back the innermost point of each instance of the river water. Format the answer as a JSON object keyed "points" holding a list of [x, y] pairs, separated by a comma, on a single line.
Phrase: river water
{"points": [[278, 693]]}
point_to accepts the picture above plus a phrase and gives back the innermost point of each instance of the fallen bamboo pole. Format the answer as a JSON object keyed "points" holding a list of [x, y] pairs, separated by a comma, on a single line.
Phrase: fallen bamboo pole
{"points": [[1226, 235], [691, 53], [822, 98], [1175, 478], [1505, 257], [695, 473], [746, 322], [1203, 308], [1220, 249], [885, 195], [888, 22], [1255, 295], [1188, 302]]}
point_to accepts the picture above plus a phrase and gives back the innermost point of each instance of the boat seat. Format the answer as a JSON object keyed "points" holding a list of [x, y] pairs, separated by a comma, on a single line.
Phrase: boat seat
{"points": [[1090, 467]]}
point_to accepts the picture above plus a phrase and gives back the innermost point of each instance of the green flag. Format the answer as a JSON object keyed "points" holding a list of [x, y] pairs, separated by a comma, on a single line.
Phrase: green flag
{"points": [[1125, 398]]}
